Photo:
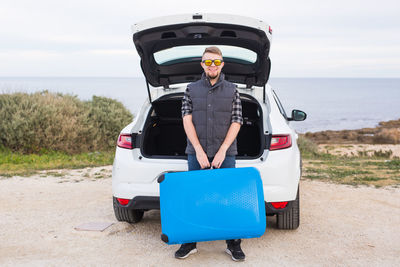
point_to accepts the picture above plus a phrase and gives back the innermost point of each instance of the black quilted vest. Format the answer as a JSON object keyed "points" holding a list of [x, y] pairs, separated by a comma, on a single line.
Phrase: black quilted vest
{"points": [[212, 112]]}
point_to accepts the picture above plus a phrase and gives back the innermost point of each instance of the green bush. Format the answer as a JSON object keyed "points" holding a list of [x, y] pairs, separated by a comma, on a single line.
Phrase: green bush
{"points": [[107, 117], [307, 147], [40, 122]]}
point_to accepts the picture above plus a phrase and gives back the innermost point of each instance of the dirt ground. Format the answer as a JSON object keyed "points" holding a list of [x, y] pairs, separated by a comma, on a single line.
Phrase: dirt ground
{"points": [[340, 225]]}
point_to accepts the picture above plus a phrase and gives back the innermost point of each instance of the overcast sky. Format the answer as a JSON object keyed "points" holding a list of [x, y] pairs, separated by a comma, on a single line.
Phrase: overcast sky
{"points": [[93, 37]]}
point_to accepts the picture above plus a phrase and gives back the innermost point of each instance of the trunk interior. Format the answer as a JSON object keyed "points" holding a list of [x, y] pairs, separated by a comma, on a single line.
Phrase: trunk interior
{"points": [[164, 137]]}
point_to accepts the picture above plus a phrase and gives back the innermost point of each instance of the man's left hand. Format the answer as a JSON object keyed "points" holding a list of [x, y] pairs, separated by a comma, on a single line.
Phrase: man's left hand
{"points": [[219, 158]]}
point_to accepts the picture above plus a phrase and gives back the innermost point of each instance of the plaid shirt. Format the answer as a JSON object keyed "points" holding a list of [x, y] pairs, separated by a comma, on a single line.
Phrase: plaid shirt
{"points": [[187, 107]]}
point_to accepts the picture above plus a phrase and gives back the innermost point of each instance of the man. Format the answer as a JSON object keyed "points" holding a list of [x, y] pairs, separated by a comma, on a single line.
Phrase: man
{"points": [[212, 117]]}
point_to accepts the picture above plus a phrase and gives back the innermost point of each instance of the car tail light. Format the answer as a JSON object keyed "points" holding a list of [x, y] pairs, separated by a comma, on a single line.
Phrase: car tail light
{"points": [[280, 142], [125, 141], [279, 205], [123, 201]]}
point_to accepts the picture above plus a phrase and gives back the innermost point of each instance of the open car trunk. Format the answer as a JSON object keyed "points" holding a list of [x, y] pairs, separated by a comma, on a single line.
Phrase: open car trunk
{"points": [[158, 39], [164, 137]]}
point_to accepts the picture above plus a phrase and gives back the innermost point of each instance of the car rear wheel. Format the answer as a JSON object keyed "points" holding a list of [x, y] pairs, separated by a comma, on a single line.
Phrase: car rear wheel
{"points": [[127, 215], [290, 219]]}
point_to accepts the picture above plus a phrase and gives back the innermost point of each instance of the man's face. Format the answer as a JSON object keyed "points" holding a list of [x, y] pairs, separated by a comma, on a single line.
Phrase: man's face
{"points": [[212, 71]]}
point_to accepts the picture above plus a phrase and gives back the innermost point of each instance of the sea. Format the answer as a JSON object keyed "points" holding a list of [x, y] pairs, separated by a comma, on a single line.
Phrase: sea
{"points": [[330, 103]]}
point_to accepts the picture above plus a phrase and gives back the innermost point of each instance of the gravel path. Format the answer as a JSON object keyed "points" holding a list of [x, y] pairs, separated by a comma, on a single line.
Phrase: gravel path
{"points": [[340, 225]]}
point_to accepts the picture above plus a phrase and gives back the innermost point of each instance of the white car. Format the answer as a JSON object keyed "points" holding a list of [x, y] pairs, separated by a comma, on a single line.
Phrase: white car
{"points": [[154, 143]]}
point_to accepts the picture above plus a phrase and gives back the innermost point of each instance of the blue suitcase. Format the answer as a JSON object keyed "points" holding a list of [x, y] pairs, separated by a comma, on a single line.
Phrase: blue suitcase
{"points": [[205, 205]]}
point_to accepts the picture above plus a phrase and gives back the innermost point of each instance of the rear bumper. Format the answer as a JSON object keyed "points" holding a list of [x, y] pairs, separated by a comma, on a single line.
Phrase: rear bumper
{"points": [[270, 210], [151, 203], [140, 203]]}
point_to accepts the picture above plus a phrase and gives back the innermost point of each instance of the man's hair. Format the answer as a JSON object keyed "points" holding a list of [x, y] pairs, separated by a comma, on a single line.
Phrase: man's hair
{"points": [[213, 50]]}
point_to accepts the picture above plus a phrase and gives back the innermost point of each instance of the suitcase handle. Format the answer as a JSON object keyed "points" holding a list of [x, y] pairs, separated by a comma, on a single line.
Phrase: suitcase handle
{"points": [[161, 178]]}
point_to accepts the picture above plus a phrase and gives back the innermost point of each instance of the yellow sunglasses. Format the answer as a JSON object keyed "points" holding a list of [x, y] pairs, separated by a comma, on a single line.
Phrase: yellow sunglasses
{"points": [[209, 62]]}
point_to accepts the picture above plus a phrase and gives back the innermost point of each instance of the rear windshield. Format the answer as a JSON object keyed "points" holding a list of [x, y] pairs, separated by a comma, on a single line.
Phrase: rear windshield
{"points": [[190, 53]]}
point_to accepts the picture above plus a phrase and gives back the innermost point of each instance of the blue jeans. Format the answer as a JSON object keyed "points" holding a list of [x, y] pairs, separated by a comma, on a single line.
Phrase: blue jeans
{"points": [[193, 164], [229, 162]]}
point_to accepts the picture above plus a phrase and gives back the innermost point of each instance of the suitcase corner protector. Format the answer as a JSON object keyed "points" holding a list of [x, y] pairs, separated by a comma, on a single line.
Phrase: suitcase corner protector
{"points": [[164, 238]]}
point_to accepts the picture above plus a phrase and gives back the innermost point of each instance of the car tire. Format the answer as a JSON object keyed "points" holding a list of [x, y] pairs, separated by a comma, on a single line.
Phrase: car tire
{"points": [[290, 219], [127, 215]]}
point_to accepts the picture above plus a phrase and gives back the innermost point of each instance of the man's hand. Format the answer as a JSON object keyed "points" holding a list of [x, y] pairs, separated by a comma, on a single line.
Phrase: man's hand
{"points": [[190, 131], [202, 159], [230, 137], [219, 157]]}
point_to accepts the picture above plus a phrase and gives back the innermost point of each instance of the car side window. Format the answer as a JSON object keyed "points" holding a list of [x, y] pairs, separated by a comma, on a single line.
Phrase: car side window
{"points": [[279, 104]]}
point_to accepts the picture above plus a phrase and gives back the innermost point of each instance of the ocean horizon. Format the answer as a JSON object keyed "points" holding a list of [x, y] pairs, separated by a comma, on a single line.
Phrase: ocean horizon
{"points": [[330, 103]]}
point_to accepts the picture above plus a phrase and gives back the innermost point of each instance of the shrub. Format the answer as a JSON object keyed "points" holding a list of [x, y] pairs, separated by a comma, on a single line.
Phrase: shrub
{"points": [[387, 136], [383, 154], [106, 117], [38, 122], [306, 146]]}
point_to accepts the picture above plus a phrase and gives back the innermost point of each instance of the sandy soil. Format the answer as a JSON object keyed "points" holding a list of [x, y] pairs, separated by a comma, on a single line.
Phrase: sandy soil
{"points": [[355, 149], [340, 225]]}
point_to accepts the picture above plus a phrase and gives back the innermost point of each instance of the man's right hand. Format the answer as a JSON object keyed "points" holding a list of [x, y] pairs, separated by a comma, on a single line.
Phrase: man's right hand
{"points": [[190, 131], [202, 159]]}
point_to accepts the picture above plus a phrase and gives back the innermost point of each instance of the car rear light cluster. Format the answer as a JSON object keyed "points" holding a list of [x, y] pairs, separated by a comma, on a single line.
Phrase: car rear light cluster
{"points": [[280, 142], [279, 205], [125, 141]]}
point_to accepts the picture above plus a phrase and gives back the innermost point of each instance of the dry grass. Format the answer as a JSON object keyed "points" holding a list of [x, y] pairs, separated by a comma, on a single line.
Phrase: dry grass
{"points": [[354, 171], [387, 136], [355, 164], [361, 150]]}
